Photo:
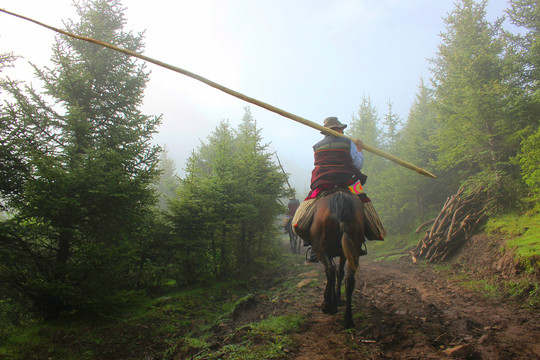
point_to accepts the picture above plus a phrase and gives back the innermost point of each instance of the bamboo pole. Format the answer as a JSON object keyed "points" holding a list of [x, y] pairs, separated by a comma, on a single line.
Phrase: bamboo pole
{"points": [[251, 100]]}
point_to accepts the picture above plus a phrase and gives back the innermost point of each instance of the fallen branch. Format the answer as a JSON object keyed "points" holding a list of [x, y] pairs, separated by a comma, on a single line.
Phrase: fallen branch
{"points": [[419, 228]]}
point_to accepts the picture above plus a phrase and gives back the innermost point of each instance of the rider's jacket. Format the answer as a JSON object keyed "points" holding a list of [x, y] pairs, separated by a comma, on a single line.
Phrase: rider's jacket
{"points": [[333, 163]]}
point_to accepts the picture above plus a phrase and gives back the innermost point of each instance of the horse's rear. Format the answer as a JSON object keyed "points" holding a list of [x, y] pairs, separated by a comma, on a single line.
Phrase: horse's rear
{"points": [[338, 231]]}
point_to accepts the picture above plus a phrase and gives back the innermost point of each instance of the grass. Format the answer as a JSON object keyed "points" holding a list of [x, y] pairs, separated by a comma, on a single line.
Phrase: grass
{"points": [[266, 339], [394, 247], [528, 291], [156, 321], [178, 324], [486, 288], [279, 325], [523, 230]]}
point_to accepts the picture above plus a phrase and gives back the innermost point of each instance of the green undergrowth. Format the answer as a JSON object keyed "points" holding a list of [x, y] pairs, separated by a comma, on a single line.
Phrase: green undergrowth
{"points": [[172, 325], [523, 232], [524, 292], [522, 229], [267, 339], [487, 288], [155, 321], [394, 247]]}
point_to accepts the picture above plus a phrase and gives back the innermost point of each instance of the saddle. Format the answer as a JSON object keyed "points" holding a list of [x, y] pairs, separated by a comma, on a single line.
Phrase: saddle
{"points": [[303, 217], [301, 222]]}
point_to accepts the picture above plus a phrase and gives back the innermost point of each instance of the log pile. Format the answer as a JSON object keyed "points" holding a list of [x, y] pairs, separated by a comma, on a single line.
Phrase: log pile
{"points": [[452, 227]]}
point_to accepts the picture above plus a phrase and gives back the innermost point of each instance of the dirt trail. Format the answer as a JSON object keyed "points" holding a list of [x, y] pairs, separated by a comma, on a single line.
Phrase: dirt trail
{"points": [[405, 311]]}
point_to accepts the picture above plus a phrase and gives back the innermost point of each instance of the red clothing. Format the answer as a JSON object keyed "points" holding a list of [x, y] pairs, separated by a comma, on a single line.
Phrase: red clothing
{"points": [[333, 163]]}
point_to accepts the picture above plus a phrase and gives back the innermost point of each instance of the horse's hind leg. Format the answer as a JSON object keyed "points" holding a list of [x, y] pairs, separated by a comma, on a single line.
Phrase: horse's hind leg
{"points": [[292, 238], [349, 288], [340, 274], [329, 305], [297, 243], [291, 241]]}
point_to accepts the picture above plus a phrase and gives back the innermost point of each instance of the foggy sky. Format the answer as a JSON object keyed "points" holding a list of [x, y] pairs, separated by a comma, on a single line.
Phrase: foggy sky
{"points": [[309, 57]]}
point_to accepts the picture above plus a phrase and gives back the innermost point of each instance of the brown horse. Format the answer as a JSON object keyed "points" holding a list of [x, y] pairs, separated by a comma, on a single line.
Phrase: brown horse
{"points": [[338, 230]]}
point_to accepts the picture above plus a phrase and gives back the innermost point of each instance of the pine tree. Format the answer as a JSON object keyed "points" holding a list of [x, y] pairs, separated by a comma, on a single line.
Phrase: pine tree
{"points": [[364, 127], [421, 125], [523, 57], [227, 202], [264, 184], [168, 180], [13, 167], [392, 124], [364, 123], [525, 46], [417, 196], [89, 167], [475, 134], [204, 214]]}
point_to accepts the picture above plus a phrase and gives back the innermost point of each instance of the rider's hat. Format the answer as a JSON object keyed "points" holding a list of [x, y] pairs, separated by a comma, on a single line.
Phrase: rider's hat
{"points": [[332, 122]]}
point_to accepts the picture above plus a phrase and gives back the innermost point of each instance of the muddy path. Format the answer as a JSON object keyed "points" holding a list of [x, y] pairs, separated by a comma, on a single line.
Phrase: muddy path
{"points": [[406, 311]]}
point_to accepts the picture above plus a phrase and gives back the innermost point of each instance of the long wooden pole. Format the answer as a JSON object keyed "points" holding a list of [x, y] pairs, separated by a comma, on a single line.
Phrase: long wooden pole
{"points": [[284, 173], [251, 100]]}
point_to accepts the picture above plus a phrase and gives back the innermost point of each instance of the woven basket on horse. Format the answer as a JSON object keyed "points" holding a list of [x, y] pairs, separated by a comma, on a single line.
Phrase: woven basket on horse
{"points": [[374, 229]]}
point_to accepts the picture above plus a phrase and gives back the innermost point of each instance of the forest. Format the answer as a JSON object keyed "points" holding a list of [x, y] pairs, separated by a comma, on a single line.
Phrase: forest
{"points": [[94, 215]]}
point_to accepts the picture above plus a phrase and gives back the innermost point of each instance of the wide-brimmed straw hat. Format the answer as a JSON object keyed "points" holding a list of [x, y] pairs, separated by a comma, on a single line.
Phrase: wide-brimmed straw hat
{"points": [[332, 122]]}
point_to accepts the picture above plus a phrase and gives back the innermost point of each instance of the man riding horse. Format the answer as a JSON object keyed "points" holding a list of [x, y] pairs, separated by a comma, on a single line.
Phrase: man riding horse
{"points": [[332, 217], [338, 162]]}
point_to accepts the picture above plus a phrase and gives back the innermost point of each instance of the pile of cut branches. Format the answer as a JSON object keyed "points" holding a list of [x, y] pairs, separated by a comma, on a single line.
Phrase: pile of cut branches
{"points": [[453, 226]]}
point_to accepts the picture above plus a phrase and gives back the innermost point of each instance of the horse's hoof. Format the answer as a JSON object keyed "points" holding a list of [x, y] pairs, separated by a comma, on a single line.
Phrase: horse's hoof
{"points": [[349, 324], [330, 310]]}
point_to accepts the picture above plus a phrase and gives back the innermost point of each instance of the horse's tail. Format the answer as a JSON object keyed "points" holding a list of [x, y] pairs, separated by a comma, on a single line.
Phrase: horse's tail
{"points": [[342, 207]]}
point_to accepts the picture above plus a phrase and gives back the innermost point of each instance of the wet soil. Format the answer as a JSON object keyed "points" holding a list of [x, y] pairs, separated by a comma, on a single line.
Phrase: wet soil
{"points": [[404, 310]]}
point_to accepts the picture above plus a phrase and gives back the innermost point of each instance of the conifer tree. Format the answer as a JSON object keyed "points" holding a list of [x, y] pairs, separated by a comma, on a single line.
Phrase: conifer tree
{"points": [[227, 203], [418, 196], [89, 165], [391, 123], [475, 136], [168, 181], [264, 184], [364, 127], [523, 57], [524, 50]]}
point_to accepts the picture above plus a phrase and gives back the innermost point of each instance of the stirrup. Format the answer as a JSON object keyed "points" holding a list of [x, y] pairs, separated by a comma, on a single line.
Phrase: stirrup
{"points": [[363, 251]]}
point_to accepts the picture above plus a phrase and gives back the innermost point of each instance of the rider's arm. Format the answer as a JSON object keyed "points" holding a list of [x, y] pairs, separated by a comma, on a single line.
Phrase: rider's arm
{"points": [[356, 154]]}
